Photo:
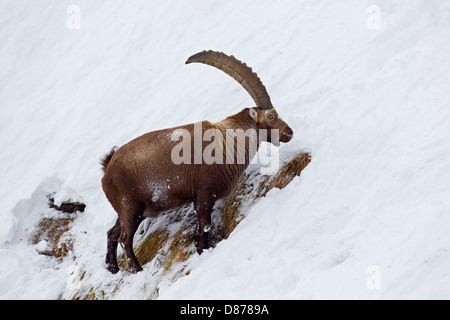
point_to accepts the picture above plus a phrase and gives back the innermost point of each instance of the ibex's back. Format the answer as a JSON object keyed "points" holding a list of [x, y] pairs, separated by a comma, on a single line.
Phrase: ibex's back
{"points": [[152, 173]]}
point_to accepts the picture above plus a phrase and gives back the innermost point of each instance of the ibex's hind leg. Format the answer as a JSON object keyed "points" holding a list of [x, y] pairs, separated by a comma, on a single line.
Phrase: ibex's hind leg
{"points": [[111, 255], [131, 217]]}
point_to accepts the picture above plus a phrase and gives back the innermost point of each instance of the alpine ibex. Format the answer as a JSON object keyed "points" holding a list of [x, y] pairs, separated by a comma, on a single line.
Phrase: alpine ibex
{"points": [[141, 179]]}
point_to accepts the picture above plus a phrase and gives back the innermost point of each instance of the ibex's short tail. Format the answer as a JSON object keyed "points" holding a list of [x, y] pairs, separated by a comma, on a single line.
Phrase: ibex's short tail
{"points": [[107, 158]]}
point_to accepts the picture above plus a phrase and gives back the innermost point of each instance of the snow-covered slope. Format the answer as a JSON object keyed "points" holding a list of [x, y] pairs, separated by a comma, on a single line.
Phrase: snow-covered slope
{"points": [[369, 218]]}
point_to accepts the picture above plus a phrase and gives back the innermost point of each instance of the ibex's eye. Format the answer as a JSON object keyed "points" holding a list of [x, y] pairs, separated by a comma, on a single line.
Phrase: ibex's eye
{"points": [[270, 117]]}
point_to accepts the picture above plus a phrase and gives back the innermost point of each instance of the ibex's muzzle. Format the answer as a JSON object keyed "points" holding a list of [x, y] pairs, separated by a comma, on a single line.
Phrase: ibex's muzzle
{"points": [[286, 134]]}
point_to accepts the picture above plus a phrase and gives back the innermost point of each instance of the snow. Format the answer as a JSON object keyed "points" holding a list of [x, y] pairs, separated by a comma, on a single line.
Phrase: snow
{"points": [[368, 218]]}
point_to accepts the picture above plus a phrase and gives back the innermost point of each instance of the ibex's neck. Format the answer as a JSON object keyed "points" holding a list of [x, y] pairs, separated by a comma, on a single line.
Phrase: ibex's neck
{"points": [[240, 142], [241, 120]]}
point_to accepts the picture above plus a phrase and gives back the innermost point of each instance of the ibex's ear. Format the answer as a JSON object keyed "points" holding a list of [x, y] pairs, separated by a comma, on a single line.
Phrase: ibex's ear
{"points": [[253, 114]]}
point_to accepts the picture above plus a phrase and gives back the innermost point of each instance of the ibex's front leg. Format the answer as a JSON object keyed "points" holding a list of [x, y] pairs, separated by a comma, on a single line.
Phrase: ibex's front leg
{"points": [[203, 206]]}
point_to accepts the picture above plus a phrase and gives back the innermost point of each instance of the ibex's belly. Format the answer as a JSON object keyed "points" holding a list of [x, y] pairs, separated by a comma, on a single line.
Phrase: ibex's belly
{"points": [[160, 199], [154, 209], [163, 195], [166, 192]]}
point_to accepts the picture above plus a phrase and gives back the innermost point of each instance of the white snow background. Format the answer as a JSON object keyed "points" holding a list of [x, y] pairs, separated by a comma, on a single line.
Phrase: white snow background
{"points": [[368, 95]]}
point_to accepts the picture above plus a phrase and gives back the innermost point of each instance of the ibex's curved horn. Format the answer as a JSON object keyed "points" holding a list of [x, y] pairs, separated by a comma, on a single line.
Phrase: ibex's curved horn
{"points": [[239, 71]]}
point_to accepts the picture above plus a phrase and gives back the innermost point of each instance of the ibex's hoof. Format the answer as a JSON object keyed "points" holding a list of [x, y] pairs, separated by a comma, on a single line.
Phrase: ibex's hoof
{"points": [[201, 249], [113, 269], [136, 269]]}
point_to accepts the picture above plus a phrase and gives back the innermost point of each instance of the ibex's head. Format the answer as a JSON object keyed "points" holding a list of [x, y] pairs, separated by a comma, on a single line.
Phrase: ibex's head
{"points": [[264, 115]]}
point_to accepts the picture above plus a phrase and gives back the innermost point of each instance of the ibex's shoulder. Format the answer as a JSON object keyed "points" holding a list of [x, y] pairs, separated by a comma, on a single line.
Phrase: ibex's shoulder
{"points": [[208, 125]]}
